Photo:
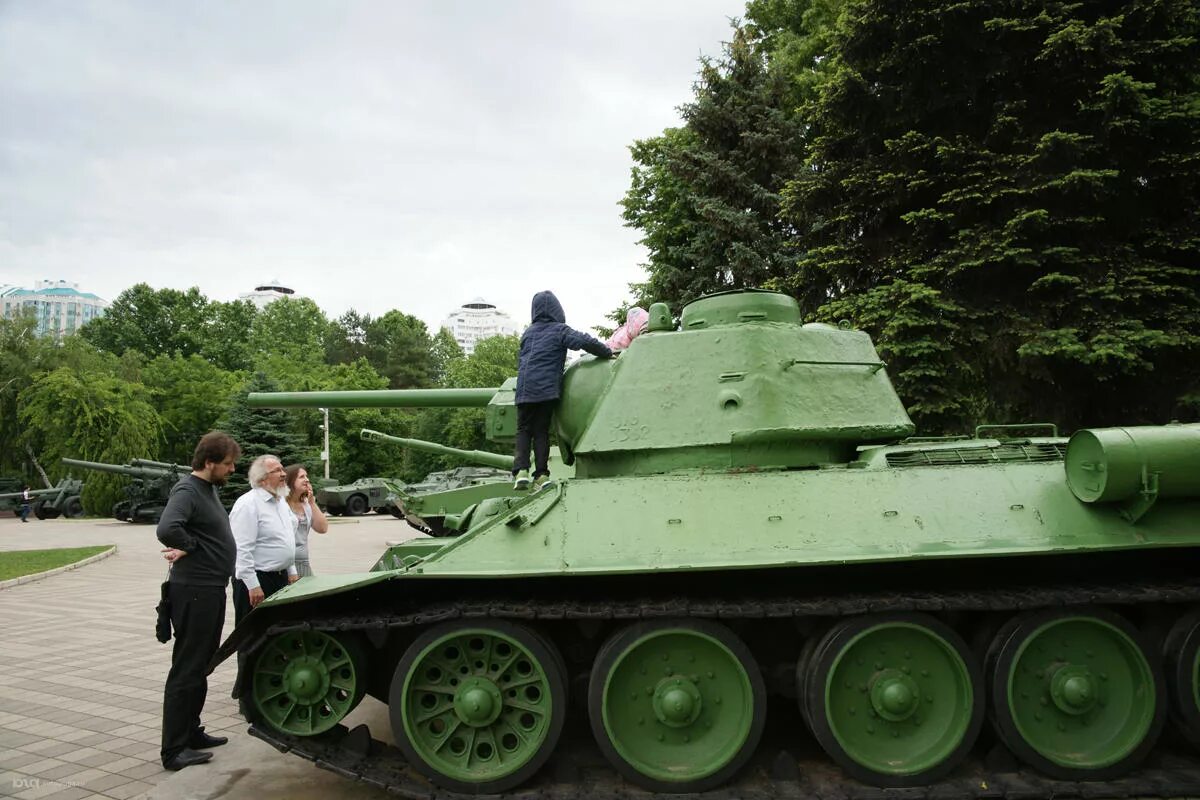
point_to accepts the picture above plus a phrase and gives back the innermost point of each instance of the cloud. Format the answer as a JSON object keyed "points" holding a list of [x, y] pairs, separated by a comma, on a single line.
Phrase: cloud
{"points": [[372, 155]]}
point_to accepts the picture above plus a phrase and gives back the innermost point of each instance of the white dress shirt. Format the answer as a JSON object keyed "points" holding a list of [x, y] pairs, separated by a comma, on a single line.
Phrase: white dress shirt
{"points": [[263, 529]]}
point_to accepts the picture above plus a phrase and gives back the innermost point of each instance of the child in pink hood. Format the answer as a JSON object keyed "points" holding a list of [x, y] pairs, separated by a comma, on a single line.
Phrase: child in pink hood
{"points": [[635, 322]]}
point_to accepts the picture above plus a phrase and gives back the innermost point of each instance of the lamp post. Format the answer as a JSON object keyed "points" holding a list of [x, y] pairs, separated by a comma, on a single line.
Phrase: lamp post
{"points": [[325, 452]]}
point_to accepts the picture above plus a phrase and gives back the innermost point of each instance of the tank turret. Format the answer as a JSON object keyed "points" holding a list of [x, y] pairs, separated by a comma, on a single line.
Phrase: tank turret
{"points": [[482, 457], [743, 385]]}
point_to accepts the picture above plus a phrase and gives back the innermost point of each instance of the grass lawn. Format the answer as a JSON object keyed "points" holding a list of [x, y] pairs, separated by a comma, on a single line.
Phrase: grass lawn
{"points": [[15, 563]]}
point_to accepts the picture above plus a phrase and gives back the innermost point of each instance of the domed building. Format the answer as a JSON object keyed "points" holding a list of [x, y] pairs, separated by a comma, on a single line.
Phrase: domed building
{"points": [[477, 320], [266, 293]]}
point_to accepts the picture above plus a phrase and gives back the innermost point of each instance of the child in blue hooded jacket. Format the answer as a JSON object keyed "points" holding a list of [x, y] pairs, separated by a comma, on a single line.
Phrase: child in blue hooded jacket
{"points": [[544, 347]]}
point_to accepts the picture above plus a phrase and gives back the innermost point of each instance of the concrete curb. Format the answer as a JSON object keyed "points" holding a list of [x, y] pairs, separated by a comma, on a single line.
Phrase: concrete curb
{"points": [[37, 576]]}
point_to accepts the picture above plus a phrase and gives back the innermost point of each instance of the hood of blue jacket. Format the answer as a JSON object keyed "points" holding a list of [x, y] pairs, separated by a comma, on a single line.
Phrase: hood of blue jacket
{"points": [[546, 308]]}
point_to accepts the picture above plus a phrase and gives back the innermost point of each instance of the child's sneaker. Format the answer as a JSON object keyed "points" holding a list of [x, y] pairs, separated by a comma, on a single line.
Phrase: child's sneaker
{"points": [[541, 482], [522, 480]]}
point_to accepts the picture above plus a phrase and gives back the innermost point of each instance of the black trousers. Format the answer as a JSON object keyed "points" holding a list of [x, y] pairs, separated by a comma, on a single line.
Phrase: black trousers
{"points": [[533, 424], [270, 583], [197, 614]]}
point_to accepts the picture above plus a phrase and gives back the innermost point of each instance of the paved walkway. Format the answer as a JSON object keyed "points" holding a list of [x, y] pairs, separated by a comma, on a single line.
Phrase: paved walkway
{"points": [[81, 674]]}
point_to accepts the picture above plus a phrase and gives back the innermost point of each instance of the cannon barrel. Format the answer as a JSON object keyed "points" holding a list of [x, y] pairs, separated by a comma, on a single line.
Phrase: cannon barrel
{"points": [[473, 456], [376, 398], [145, 462], [32, 493], [148, 473]]}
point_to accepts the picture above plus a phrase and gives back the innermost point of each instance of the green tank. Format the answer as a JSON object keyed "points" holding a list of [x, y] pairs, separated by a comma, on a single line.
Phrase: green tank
{"points": [[451, 493], [357, 498], [147, 491], [757, 585]]}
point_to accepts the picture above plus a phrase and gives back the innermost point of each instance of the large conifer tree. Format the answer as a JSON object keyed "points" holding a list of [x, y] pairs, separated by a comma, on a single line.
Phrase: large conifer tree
{"points": [[1004, 193]]}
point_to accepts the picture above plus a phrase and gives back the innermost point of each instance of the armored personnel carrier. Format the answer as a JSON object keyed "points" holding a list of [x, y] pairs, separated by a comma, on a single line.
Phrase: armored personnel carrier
{"points": [[757, 585], [147, 491], [357, 498], [452, 493]]}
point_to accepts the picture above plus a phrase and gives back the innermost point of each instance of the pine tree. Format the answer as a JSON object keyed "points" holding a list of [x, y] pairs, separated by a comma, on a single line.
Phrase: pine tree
{"points": [[1004, 194]]}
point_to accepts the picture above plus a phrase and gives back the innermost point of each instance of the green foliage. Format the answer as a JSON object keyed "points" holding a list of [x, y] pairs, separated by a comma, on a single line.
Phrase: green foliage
{"points": [[442, 351], [346, 338], [289, 330], [90, 415], [151, 321], [191, 394], [263, 431], [494, 361], [1003, 194], [706, 196], [22, 355], [398, 345], [1050, 225], [173, 322]]}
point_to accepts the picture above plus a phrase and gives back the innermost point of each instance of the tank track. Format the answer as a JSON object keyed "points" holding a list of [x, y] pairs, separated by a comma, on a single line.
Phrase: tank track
{"points": [[772, 776]]}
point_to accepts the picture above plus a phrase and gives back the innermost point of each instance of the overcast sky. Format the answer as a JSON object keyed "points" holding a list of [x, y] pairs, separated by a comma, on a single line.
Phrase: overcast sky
{"points": [[371, 155]]}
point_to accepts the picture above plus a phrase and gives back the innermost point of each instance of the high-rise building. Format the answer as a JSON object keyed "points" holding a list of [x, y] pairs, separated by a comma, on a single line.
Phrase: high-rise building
{"points": [[60, 308], [266, 292], [475, 321]]}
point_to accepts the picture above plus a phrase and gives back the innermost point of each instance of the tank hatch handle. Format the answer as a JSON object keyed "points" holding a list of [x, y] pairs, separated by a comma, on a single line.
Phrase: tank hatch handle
{"points": [[874, 365]]}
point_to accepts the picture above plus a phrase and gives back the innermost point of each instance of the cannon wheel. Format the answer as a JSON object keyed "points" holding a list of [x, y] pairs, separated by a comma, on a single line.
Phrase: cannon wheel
{"points": [[73, 507], [356, 505]]}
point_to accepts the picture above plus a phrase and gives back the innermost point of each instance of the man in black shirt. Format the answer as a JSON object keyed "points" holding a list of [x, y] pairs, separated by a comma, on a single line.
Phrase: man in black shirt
{"points": [[199, 544]]}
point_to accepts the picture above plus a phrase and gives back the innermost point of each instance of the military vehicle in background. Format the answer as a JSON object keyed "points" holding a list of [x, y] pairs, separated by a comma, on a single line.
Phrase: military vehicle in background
{"points": [[60, 500], [454, 493], [147, 491], [750, 531], [356, 499]]}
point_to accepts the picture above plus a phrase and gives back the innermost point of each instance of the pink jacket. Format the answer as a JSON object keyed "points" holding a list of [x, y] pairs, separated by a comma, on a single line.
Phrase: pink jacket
{"points": [[635, 323]]}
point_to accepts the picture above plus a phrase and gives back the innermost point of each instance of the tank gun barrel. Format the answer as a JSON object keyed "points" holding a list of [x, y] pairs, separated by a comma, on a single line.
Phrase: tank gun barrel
{"points": [[386, 398], [473, 456], [148, 473]]}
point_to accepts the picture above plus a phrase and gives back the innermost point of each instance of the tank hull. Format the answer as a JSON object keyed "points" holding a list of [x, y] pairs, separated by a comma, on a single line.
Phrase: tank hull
{"points": [[780, 559]]}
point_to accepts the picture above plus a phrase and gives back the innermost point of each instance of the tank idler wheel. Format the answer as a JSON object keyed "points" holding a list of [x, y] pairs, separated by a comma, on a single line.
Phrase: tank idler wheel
{"points": [[356, 505], [306, 682], [1181, 654], [895, 699], [478, 707], [676, 705], [1074, 694]]}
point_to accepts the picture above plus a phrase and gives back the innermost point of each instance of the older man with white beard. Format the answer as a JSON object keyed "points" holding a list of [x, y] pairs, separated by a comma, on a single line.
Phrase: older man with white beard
{"points": [[266, 542]]}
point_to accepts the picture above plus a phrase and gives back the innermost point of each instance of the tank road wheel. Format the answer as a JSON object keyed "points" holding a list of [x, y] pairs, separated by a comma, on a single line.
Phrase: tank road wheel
{"points": [[306, 682], [356, 505], [1182, 658], [1073, 693], [895, 699], [478, 706], [676, 705]]}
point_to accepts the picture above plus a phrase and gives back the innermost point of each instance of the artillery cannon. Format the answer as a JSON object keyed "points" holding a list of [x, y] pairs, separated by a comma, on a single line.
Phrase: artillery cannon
{"points": [[750, 528], [61, 499], [454, 494], [147, 492]]}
